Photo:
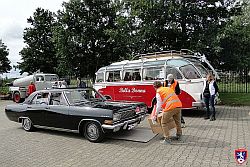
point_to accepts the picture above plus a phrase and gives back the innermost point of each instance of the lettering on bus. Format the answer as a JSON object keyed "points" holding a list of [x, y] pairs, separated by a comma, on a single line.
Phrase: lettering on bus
{"points": [[132, 90]]}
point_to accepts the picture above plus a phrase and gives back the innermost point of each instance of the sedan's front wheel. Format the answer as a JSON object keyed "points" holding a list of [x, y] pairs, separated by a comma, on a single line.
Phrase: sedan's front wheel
{"points": [[93, 132], [27, 124]]}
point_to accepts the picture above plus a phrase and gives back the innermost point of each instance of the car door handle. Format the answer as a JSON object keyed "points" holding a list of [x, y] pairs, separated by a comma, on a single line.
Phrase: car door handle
{"points": [[29, 107], [47, 107]]}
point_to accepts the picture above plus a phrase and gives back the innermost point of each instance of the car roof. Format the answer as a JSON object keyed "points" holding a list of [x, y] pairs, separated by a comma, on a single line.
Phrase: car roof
{"points": [[63, 89]]}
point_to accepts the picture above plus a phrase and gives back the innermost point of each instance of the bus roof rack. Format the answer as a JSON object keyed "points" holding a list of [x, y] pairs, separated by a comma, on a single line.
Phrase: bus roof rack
{"points": [[170, 53]]}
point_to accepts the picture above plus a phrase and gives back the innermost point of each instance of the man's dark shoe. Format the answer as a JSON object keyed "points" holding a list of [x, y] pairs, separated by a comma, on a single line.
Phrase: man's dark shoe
{"points": [[206, 118], [212, 119], [179, 137], [166, 141]]}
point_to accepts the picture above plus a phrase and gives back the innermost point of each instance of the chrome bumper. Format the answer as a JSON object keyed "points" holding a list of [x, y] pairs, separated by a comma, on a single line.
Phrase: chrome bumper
{"points": [[125, 124], [198, 104]]}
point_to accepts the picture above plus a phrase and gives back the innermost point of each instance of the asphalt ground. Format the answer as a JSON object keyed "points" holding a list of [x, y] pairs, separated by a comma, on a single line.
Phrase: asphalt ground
{"points": [[205, 143]]}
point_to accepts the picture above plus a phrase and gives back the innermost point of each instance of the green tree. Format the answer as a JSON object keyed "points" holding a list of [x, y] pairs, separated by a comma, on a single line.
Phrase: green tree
{"points": [[4, 61], [39, 52], [234, 42], [82, 36], [174, 25]]}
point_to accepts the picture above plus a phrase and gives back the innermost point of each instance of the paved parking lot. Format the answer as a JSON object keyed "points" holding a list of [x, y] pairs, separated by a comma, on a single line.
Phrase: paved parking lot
{"points": [[205, 143]]}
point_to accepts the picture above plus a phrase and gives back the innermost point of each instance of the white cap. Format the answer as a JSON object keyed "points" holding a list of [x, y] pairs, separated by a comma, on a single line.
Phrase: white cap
{"points": [[170, 77]]}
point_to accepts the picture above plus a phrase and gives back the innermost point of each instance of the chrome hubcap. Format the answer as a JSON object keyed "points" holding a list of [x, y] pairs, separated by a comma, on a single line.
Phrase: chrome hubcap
{"points": [[26, 124], [92, 131]]}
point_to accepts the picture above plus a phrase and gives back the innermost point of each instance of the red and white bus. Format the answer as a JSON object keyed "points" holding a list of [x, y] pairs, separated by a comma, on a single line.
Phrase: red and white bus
{"points": [[133, 80]]}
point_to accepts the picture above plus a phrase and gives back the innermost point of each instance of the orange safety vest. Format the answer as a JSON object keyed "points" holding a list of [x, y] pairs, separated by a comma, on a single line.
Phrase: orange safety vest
{"points": [[172, 86], [169, 99]]}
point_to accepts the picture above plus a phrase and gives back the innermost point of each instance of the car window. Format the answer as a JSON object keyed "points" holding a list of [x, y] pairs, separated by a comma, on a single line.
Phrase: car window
{"points": [[39, 78], [55, 98], [62, 100], [41, 98], [83, 96]]}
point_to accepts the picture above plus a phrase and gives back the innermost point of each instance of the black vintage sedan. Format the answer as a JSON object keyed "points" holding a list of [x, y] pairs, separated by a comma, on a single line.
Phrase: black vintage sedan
{"points": [[83, 110]]}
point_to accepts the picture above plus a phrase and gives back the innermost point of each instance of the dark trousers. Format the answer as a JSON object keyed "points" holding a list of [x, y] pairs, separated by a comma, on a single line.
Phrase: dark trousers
{"points": [[210, 100]]}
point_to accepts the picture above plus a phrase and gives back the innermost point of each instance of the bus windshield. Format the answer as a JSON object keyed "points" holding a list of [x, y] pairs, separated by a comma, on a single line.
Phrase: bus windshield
{"points": [[202, 69], [189, 72]]}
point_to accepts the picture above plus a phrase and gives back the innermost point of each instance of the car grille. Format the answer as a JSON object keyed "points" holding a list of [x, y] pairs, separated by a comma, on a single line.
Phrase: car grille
{"points": [[127, 114]]}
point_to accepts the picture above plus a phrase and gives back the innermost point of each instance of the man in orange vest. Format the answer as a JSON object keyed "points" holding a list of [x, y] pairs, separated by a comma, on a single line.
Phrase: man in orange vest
{"points": [[172, 83], [170, 104]]}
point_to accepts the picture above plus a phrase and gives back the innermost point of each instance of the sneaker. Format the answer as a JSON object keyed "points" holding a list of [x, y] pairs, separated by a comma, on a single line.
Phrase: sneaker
{"points": [[179, 137], [183, 125], [206, 118], [166, 141]]}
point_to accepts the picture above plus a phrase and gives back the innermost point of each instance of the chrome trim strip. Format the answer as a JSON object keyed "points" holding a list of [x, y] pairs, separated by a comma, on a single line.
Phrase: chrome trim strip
{"points": [[58, 129]]}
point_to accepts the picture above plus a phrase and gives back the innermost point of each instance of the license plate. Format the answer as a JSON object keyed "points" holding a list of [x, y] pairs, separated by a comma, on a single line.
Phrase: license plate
{"points": [[132, 126]]}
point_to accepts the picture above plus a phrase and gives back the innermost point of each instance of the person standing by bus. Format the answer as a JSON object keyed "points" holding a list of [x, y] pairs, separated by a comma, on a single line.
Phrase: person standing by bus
{"points": [[172, 83], [31, 88], [209, 94], [170, 104]]}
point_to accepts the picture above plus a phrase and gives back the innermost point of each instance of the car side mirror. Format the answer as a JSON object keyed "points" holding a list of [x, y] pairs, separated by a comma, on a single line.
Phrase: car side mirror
{"points": [[108, 97]]}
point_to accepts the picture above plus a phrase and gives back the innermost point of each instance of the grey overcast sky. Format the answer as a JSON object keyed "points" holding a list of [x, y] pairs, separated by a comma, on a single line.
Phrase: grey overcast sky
{"points": [[13, 20]]}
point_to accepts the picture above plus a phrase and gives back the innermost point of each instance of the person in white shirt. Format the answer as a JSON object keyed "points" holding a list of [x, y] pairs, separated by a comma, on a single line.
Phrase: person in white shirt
{"points": [[209, 94], [61, 85]]}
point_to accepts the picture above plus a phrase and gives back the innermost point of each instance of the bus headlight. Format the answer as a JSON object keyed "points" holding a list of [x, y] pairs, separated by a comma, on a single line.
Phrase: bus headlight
{"points": [[116, 117]]}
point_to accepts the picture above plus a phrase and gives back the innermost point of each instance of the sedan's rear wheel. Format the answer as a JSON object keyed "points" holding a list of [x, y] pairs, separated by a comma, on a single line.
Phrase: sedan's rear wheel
{"points": [[17, 97], [27, 124], [93, 132]]}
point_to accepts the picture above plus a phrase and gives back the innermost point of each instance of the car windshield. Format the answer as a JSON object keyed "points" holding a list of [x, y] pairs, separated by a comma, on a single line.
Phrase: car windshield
{"points": [[82, 96]]}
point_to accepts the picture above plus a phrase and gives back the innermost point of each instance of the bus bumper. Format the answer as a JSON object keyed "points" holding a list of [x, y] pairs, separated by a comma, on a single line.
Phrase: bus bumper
{"points": [[198, 104]]}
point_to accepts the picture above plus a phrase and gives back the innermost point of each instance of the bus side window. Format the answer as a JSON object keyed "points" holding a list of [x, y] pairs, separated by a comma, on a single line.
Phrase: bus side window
{"points": [[100, 77], [152, 73], [127, 76], [113, 76], [136, 76], [117, 76]]}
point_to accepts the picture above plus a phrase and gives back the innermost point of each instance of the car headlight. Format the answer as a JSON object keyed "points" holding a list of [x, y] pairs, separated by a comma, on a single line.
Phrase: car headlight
{"points": [[116, 117], [141, 109]]}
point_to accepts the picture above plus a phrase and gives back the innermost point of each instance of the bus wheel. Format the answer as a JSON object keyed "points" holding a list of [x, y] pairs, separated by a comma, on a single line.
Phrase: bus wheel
{"points": [[17, 97]]}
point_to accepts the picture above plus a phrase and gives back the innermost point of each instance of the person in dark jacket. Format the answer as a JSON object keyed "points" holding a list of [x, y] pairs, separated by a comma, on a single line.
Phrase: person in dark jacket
{"points": [[209, 94], [172, 83]]}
